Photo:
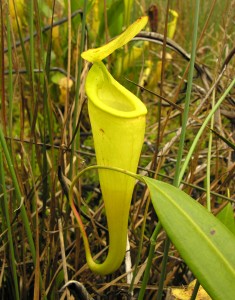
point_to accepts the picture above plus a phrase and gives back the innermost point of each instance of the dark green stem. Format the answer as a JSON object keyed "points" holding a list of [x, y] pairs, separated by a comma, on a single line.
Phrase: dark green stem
{"points": [[187, 98], [150, 259], [195, 290], [164, 265]]}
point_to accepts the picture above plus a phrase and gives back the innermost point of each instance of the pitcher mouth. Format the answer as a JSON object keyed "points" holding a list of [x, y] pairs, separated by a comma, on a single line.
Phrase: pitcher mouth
{"points": [[110, 96]]}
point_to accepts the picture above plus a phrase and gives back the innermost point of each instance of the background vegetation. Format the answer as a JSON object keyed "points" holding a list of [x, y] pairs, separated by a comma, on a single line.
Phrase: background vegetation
{"points": [[46, 137]]}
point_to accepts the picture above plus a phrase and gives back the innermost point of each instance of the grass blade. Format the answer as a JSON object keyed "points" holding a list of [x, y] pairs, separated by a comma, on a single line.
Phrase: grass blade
{"points": [[9, 232]]}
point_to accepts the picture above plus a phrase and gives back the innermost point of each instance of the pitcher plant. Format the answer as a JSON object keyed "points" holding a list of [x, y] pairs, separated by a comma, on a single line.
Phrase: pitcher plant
{"points": [[118, 125]]}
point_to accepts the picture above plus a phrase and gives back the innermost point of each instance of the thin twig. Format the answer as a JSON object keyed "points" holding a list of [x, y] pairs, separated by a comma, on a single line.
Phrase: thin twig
{"points": [[63, 254]]}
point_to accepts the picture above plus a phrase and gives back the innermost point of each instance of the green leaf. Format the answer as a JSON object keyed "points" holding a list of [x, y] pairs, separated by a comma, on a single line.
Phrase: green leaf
{"points": [[115, 19], [227, 218], [206, 245]]}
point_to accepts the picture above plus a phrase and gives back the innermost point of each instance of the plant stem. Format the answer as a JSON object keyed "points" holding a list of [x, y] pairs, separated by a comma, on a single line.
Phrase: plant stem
{"points": [[187, 98], [208, 167], [195, 290], [149, 261], [164, 265], [10, 81]]}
